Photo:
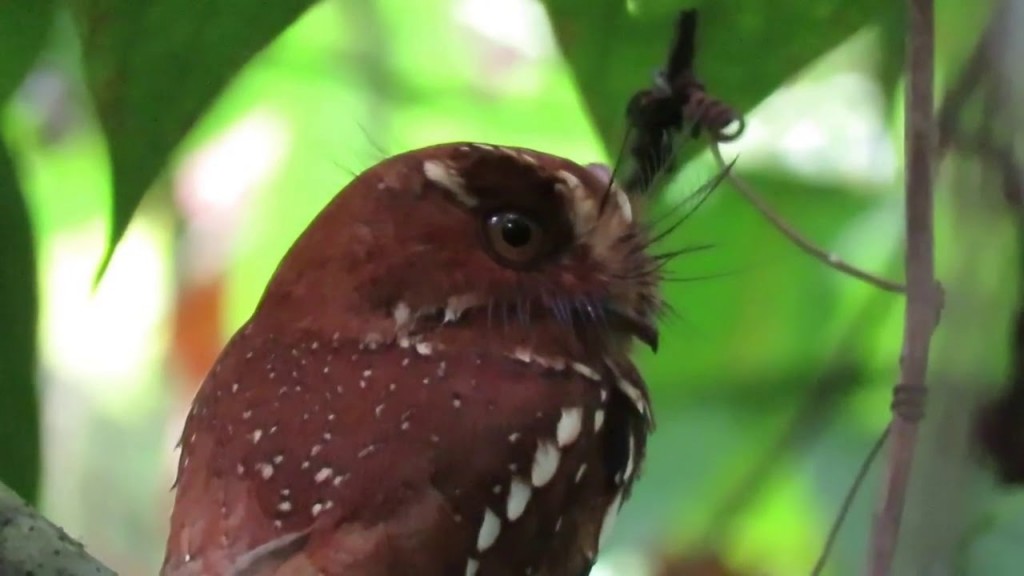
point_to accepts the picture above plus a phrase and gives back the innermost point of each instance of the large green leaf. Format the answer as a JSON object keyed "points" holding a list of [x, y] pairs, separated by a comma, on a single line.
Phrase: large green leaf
{"points": [[745, 49], [154, 66], [24, 27], [19, 409]]}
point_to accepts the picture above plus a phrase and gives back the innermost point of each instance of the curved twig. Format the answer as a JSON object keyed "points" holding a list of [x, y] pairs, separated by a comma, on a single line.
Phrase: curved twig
{"points": [[851, 494], [828, 258]]}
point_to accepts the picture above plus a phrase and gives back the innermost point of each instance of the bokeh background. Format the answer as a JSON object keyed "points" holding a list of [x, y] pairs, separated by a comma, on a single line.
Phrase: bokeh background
{"points": [[775, 372]]}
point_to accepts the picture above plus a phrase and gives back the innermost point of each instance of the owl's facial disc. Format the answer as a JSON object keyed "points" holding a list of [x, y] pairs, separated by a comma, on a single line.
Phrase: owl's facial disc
{"points": [[556, 233]]}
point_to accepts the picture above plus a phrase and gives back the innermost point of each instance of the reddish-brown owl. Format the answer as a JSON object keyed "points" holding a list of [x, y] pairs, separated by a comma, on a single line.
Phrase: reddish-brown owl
{"points": [[436, 381]]}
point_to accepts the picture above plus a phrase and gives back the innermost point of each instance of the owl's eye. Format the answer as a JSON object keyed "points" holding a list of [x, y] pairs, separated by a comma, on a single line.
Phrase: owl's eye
{"points": [[515, 237]]}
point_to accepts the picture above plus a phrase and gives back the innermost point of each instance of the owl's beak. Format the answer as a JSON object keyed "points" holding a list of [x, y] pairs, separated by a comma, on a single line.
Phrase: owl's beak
{"points": [[642, 329]]}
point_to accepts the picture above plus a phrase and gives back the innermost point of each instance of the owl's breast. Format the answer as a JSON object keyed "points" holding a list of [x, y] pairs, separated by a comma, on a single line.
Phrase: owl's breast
{"points": [[511, 463]]}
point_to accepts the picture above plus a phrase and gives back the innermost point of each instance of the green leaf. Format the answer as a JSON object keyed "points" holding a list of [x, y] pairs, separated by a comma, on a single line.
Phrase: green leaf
{"points": [[153, 67], [19, 408], [24, 27], [745, 49]]}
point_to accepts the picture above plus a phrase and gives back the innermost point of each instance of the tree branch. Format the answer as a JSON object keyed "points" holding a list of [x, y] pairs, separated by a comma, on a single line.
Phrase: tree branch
{"points": [[923, 292], [31, 544]]}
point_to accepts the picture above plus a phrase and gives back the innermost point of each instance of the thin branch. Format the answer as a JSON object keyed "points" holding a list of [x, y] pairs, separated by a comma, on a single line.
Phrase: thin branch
{"points": [[30, 544], [923, 292], [828, 258], [851, 494]]}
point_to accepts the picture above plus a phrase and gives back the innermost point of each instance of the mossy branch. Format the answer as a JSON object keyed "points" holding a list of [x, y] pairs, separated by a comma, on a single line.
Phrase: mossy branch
{"points": [[31, 544]]}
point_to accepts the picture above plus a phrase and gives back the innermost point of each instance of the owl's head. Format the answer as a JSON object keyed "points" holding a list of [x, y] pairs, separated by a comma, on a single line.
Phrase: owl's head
{"points": [[508, 240]]}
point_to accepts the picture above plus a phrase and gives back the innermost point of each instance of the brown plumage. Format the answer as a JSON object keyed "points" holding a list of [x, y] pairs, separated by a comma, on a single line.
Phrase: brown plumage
{"points": [[436, 381]]}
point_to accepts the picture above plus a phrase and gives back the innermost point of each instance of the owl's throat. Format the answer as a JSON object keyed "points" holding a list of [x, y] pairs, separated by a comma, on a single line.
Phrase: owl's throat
{"points": [[581, 333]]}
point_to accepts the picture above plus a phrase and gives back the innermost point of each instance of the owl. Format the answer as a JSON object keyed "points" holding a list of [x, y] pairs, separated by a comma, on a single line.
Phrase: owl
{"points": [[436, 381]]}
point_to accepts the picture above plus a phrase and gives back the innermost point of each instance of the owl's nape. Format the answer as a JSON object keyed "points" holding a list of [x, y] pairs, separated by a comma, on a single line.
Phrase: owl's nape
{"points": [[436, 381]]}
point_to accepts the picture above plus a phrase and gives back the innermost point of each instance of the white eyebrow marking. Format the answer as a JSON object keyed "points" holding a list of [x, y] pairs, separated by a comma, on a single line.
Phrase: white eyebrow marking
{"points": [[442, 175], [624, 206]]}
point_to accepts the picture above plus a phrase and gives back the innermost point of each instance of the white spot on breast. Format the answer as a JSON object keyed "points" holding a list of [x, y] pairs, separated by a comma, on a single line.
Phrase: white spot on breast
{"points": [[522, 354], [490, 528], [322, 475], [550, 362], [424, 348], [367, 373], [631, 461], [598, 420], [378, 410], [633, 393], [234, 387], [459, 304], [513, 437], [402, 313], [246, 415], [315, 449], [278, 459], [285, 506], [580, 472], [519, 493], [472, 566], [317, 508], [265, 470], [545, 463], [256, 435], [608, 523], [586, 371], [569, 426]]}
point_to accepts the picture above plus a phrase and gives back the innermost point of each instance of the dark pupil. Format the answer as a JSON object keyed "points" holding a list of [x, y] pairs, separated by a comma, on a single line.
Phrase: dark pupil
{"points": [[515, 231]]}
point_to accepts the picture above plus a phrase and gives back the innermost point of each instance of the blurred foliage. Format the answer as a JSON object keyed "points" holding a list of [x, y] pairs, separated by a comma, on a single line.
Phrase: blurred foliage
{"points": [[154, 67], [19, 422], [23, 28], [774, 373]]}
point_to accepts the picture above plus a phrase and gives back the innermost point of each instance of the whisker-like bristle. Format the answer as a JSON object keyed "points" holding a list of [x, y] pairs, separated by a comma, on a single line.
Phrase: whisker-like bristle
{"points": [[685, 279], [702, 195], [673, 254]]}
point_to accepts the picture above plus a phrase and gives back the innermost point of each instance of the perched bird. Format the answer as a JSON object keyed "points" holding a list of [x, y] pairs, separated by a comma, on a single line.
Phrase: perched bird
{"points": [[436, 381]]}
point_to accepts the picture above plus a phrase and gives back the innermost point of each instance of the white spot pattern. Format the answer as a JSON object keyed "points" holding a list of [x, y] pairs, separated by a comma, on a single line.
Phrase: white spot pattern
{"points": [[569, 426], [610, 515], [545, 463], [519, 492], [490, 528]]}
